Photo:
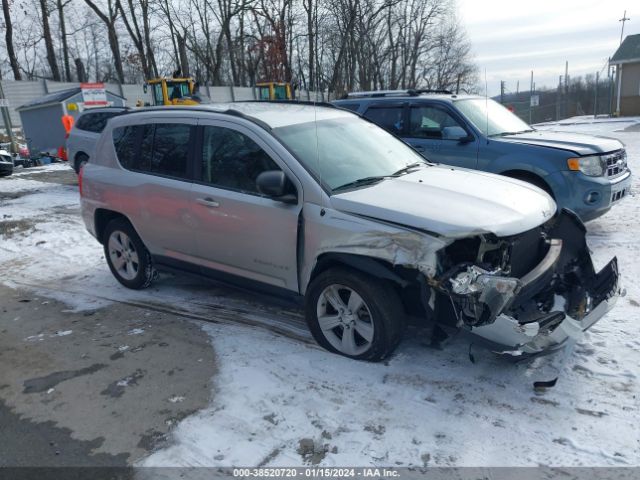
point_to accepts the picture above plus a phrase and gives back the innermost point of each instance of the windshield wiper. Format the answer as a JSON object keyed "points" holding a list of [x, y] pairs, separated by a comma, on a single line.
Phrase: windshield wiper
{"points": [[377, 178], [362, 181], [406, 169]]}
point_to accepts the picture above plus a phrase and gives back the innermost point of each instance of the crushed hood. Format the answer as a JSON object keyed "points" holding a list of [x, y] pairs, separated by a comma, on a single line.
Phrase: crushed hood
{"points": [[451, 202], [578, 143]]}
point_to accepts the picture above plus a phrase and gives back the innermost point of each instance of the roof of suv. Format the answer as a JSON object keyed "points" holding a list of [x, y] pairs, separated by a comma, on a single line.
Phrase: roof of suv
{"points": [[272, 114], [395, 95], [104, 109]]}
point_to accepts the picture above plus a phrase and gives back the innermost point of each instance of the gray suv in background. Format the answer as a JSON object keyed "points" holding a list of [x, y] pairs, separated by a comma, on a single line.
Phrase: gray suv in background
{"points": [[85, 133], [316, 203]]}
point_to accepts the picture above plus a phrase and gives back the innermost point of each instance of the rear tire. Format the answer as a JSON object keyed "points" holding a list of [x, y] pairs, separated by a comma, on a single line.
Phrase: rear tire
{"points": [[128, 259], [367, 310], [79, 161]]}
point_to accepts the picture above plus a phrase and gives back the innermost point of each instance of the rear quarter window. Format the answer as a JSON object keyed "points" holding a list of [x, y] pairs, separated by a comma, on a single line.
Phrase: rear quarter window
{"points": [[94, 122], [390, 118], [125, 142]]}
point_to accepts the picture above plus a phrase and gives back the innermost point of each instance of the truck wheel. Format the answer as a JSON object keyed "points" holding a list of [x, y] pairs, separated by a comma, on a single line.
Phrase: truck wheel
{"points": [[80, 160], [127, 257], [354, 314]]}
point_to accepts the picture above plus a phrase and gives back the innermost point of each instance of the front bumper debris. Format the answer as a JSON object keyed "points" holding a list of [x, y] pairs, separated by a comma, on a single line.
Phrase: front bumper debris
{"points": [[557, 300], [507, 336]]}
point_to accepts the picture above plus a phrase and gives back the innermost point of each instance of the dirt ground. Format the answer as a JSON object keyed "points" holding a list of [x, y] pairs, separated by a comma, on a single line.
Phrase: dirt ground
{"points": [[96, 388]]}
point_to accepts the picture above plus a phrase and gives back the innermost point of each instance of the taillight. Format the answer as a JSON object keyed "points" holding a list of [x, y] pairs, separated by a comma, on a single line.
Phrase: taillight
{"points": [[80, 173], [62, 154]]}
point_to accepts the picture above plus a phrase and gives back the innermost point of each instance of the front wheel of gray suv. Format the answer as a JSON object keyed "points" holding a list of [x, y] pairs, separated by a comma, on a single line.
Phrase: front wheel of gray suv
{"points": [[127, 257], [354, 314]]}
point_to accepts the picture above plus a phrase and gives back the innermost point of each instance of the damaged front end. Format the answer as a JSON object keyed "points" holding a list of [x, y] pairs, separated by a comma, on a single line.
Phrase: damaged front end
{"points": [[527, 293]]}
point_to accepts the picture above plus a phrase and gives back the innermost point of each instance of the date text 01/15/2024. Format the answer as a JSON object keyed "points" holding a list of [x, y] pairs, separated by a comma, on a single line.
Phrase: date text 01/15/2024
{"points": [[313, 472]]}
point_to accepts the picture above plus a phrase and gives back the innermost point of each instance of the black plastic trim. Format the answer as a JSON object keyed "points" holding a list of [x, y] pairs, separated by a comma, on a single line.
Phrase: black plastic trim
{"points": [[164, 263]]}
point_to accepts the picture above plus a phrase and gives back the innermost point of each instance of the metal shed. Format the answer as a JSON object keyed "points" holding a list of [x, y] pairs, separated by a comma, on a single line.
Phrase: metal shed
{"points": [[42, 118], [627, 62]]}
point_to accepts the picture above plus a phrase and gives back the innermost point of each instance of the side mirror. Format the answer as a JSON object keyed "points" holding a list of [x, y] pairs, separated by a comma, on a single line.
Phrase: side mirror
{"points": [[273, 183], [456, 133]]}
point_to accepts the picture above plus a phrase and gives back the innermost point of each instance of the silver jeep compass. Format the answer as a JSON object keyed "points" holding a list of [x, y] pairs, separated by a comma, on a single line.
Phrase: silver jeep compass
{"points": [[318, 203]]}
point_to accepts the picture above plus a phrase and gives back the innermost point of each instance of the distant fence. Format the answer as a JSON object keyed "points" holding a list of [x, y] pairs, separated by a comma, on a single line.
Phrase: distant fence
{"points": [[20, 92]]}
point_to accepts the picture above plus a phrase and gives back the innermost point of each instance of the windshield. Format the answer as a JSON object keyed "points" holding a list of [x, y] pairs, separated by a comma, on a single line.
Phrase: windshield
{"points": [[490, 115], [347, 150]]}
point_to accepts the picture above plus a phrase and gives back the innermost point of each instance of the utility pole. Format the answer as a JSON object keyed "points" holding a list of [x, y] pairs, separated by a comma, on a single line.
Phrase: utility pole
{"points": [[6, 117], [559, 99], [610, 75], [595, 101], [623, 20], [502, 92], [566, 90], [530, 95]]}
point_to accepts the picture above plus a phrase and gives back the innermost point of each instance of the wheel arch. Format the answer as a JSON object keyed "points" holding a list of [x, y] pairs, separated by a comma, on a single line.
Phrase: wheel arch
{"points": [[362, 263], [80, 153], [102, 217], [530, 177], [406, 281]]}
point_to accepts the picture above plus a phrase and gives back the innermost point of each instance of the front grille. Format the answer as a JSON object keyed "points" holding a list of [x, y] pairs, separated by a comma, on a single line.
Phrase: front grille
{"points": [[615, 196], [616, 163]]}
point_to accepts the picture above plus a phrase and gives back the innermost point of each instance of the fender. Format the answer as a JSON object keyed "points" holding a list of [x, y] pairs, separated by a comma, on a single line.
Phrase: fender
{"points": [[364, 264]]}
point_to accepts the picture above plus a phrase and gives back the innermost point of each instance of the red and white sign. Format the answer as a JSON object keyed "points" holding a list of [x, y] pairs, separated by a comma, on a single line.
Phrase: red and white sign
{"points": [[93, 94]]}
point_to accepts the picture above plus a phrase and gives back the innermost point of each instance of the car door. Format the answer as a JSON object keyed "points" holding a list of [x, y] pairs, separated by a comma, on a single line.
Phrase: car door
{"points": [[440, 135], [240, 231], [160, 207]]}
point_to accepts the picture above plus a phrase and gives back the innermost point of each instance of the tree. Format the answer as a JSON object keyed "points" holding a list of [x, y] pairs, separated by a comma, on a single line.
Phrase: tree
{"points": [[63, 34], [109, 19], [141, 40], [13, 60], [337, 45], [48, 41]]}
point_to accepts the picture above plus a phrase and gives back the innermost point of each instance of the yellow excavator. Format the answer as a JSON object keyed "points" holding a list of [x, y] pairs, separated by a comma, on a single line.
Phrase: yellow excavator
{"points": [[274, 91], [172, 91], [184, 91]]}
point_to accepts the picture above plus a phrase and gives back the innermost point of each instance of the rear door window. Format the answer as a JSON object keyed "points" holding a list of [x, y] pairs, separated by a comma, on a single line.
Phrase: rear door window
{"points": [[157, 148], [165, 149], [390, 118]]}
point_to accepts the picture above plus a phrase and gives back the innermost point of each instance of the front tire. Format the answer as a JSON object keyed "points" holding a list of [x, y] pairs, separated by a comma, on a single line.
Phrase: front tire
{"points": [[354, 315], [127, 257]]}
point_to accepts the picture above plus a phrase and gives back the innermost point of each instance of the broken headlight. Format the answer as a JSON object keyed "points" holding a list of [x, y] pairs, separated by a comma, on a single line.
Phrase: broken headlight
{"points": [[485, 294]]}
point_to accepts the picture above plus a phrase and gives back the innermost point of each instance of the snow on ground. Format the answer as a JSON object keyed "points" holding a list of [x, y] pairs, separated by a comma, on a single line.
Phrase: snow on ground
{"points": [[422, 407]]}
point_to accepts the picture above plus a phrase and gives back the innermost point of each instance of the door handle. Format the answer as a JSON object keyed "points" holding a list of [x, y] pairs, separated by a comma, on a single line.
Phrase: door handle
{"points": [[208, 202]]}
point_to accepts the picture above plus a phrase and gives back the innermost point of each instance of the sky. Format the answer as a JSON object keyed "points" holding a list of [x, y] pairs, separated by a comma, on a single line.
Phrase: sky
{"points": [[511, 38]]}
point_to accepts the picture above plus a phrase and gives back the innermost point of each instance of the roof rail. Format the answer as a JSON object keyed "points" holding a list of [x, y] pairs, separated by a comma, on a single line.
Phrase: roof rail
{"points": [[292, 102], [413, 92]]}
